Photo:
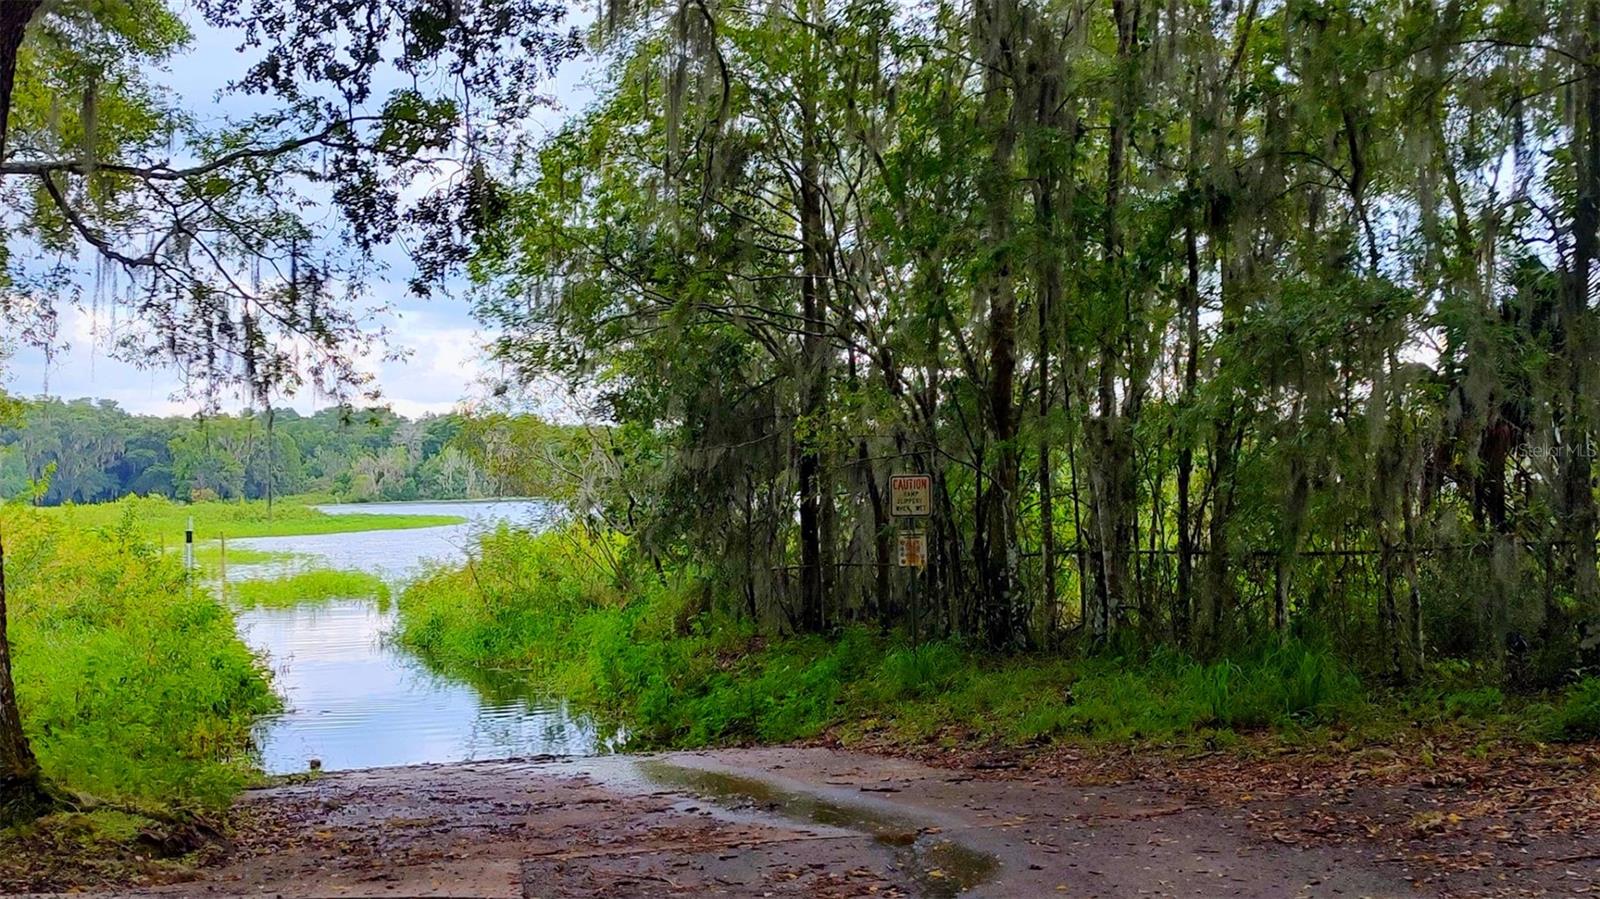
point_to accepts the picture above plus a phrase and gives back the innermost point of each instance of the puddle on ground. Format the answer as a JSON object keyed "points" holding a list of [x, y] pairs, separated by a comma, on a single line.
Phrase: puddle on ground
{"points": [[941, 868]]}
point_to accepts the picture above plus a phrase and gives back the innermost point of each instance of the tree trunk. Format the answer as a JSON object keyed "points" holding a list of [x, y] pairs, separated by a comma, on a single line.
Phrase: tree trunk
{"points": [[1048, 301], [14, 18], [1111, 458], [1183, 603], [815, 516], [22, 792], [1003, 619], [1218, 597], [1578, 503], [1294, 516]]}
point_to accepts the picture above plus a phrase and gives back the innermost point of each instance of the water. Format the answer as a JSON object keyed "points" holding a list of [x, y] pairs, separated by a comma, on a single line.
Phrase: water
{"points": [[395, 555], [355, 700], [941, 868]]}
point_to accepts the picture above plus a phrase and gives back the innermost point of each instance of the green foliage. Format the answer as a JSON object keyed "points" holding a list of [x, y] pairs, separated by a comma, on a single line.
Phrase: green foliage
{"points": [[132, 683], [677, 677], [919, 670], [1480, 703], [513, 603], [308, 586], [1103, 259], [100, 159], [1577, 716]]}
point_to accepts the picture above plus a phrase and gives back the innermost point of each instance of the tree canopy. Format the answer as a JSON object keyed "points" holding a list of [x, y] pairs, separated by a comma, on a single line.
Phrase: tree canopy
{"points": [[240, 248], [85, 451], [1209, 321]]}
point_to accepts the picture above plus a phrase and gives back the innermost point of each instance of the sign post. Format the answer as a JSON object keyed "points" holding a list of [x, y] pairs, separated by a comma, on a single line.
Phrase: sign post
{"points": [[911, 497]]}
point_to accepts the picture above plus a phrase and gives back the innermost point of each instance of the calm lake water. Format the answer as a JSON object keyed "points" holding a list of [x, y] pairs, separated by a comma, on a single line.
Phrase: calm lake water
{"points": [[355, 700]]}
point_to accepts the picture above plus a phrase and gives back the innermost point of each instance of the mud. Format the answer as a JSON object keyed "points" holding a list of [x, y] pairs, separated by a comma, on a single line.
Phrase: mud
{"points": [[813, 822]]}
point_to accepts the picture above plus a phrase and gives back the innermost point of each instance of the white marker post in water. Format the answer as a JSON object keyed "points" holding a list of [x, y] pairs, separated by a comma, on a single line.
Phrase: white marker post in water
{"points": [[188, 546]]}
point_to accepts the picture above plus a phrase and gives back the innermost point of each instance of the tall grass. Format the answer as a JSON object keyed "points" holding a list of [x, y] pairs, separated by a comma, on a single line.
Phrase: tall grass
{"points": [[513, 604], [315, 585], [133, 683], [213, 556]]}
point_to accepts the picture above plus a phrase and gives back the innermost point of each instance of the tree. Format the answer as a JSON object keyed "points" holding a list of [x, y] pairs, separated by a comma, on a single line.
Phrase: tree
{"points": [[1245, 320], [23, 793], [214, 235]]}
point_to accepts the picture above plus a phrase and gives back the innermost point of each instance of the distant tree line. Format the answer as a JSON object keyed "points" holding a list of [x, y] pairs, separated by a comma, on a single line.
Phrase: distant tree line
{"points": [[87, 451]]}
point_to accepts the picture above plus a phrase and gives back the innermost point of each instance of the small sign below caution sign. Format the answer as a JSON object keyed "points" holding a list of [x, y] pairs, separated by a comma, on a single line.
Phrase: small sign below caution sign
{"points": [[910, 495], [914, 551]]}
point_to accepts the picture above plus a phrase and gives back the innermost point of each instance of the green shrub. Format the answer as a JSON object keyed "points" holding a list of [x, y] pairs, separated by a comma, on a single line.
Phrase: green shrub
{"points": [[133, 683], [634, 645], [1577, 716]]}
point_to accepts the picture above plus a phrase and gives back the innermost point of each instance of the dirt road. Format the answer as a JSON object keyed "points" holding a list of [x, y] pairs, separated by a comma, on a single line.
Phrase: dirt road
{"points": [[824, 823]]}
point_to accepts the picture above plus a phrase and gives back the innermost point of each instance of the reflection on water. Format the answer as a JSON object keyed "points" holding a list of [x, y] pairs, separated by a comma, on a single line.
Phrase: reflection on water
{"points": [[355, 700]]}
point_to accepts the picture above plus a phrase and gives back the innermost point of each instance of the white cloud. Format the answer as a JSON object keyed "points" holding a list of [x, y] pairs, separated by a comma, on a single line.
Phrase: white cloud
{"points": [[441, 363]]}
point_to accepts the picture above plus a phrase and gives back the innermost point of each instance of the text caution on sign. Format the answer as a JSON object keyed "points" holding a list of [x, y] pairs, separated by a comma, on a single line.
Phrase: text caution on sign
{"points": [[910, 495]]}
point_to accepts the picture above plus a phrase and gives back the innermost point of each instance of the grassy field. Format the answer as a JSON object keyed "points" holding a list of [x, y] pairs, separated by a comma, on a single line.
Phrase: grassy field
{"points": [[164, 521], [541, 605]]}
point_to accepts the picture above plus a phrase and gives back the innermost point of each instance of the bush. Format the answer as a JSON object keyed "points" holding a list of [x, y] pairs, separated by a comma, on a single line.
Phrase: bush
{"points": [[133, 683], [1577, 716], [1476, 704], [1294, 682]]}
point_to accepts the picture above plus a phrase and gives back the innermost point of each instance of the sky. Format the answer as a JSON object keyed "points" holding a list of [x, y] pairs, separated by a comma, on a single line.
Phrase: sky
{"points": [[442, 345]]}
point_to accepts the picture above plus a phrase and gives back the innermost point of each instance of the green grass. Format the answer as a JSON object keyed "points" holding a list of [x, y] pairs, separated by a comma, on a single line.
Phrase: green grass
{"points": [[164, 521], [308, 586], [211, 556], [134, 685], [630, 648]]}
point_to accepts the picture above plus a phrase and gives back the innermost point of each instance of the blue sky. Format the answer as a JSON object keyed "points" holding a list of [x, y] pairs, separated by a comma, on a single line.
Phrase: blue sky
{"points": [[443, 362]]}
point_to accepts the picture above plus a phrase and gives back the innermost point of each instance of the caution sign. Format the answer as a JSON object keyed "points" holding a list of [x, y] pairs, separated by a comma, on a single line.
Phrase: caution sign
{"points": [[913, 550], [910, 495]]}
